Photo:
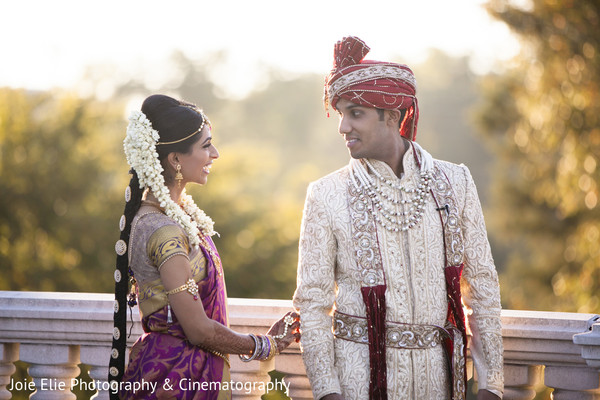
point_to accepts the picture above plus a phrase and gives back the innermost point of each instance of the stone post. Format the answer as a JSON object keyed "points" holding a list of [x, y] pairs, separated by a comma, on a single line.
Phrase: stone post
{"points": [[572, 383], [52, 369], [290, 363], [520, 381], [97, 357], [590, 344], [587, 380], [249, 378], [9, 353]]}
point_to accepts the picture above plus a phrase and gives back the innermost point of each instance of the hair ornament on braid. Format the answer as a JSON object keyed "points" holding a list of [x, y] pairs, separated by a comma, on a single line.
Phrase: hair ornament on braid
{"points": [[140, 150], [133, 196]]}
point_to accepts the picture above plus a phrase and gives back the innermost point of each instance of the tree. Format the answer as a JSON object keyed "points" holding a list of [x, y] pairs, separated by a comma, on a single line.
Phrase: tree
{"points": [[64, 172], [58, 205], [272, 145], [542, 116]]}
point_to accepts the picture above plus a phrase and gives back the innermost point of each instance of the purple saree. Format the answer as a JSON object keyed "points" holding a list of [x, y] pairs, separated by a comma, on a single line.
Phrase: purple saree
{"points": [[164, 361]]}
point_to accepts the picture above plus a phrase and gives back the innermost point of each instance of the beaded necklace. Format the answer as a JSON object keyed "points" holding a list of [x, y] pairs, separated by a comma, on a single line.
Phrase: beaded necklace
{"points": [[385, 205]]}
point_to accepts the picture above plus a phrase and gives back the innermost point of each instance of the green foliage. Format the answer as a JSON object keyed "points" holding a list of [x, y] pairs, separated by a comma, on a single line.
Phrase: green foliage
{"points": [[63, 172], [59, 209], [257, 220], [272, 145], [447, 96], [542, 117]]}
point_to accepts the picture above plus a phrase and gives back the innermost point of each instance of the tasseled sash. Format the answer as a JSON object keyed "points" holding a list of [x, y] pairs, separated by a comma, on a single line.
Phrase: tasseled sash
{"points": [[374, 298], [456, 348]]}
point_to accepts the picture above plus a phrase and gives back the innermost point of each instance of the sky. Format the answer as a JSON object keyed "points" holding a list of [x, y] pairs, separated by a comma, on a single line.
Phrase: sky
{"points": [[48, 44]]}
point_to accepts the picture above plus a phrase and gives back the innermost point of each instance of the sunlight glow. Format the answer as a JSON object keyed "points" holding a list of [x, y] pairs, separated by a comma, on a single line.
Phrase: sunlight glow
{"points": [[52, 46]]}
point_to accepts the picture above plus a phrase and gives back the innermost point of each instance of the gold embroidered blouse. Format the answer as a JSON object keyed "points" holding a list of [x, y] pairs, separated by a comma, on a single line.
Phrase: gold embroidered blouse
{"points": [[155, 239]]}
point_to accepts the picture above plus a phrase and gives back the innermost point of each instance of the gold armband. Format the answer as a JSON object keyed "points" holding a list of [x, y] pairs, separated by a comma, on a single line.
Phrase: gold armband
{"points": [[191, 286]]}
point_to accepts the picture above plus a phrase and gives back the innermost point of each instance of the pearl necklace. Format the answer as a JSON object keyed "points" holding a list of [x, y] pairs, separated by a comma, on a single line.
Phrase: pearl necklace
{"points": [[385, 205]]}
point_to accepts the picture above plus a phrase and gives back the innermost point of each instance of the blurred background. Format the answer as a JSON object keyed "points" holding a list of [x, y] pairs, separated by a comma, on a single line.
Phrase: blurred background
{"points": [[510, 88]]}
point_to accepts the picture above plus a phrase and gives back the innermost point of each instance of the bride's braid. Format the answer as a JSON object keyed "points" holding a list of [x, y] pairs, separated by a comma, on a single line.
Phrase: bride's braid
{"points": [[133, 199]]}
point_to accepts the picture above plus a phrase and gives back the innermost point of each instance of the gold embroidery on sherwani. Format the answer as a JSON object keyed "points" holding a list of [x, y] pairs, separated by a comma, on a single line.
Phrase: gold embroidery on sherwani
{"points": [[398, 335], [445, 199], [454, 246], [364, 236], [329, 279], [367, 251]]}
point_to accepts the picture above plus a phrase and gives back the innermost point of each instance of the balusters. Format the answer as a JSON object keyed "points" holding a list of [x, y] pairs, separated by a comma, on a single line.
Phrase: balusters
{"points": [[572, 383], [254, 374], [290, 363], [9, 353], [520, 381], [52, 369], [97, 357]]}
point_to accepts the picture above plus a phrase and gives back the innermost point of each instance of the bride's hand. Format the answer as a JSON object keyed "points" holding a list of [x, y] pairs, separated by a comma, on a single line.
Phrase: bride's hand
{"points": [[286, 330]]}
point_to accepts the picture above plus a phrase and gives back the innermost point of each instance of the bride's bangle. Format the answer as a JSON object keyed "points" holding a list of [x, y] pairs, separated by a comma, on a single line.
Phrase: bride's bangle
{"points": [[273, 349], [254, 354]]}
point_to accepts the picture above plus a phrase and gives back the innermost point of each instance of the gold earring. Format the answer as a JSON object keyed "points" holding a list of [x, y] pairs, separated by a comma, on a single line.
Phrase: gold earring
{"points": [[178, 176]]}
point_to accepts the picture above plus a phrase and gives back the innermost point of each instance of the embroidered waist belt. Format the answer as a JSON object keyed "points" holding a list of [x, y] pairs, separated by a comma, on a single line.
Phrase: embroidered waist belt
{"points": [[398, 335]]}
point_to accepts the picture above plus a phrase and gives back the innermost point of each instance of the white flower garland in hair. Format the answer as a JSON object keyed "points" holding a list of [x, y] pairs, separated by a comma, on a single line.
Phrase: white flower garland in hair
{"points": [[140, 151]]}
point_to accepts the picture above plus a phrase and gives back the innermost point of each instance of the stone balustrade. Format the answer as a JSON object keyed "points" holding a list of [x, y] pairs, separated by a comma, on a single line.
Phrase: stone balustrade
{"points": [[544, 345], [55, 333]]}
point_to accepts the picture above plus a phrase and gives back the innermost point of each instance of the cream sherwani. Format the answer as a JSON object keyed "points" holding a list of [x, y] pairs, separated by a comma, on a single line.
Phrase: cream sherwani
{"points": [[413, 263]]}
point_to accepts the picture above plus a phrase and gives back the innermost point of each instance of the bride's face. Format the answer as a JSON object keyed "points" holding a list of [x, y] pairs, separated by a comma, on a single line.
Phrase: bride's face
{"points": [[196, 164]]}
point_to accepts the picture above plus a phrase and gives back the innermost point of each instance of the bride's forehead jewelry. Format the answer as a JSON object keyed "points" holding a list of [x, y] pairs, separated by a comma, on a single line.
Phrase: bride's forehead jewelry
{"points": [[204, 121]]}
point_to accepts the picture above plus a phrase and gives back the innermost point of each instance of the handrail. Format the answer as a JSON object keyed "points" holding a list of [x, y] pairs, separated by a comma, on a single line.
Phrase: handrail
{"points": [[54, 332]]}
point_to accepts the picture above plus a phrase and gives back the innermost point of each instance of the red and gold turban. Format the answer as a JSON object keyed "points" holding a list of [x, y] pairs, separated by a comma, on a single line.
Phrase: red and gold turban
{"points": [[377, 84]]}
